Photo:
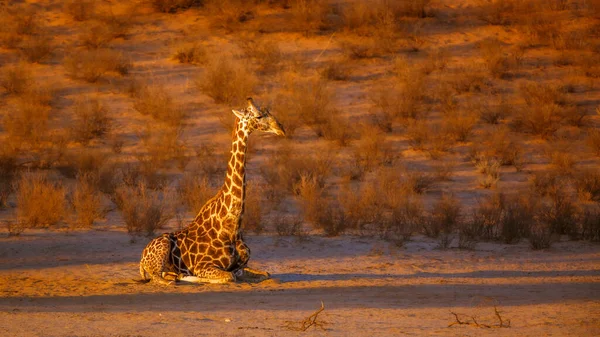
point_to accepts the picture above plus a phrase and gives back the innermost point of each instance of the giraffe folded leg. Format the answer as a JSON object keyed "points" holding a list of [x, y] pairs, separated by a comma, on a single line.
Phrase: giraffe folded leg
{"points": [[210, 274], [251, 275]]}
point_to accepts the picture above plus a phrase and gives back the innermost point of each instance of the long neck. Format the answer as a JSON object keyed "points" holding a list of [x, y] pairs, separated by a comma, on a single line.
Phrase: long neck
{"points": [[234, 188]]}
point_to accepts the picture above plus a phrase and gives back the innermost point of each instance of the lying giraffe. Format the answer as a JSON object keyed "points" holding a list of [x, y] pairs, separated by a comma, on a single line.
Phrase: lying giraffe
{"points": [[211, 249]]}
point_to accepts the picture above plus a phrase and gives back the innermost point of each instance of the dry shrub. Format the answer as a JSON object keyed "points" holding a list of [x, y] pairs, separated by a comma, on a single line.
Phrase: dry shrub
{"points": [[154, 100], [36, 48], [80, 10], [254, 208], [499, 145], [284, 168], [587, 183], [192, 53], [91, 65], [98, 34], [444, 219], [143, 209], [41, 202], [227, 81], [87, 200], [288, 226], [559, 212], [590, 224], [172, 6], [310, 195], [16, 79], [492, 113], [334, 127], [562, 157], [265, 52], [195, 190], [545, 110], [82, 162], [496, 61], [593, 140], [403, 99], [543, 183], [425, 136], [459, 125], [540, 236], [27, 123], [335, 71], [369, 152], [416, 182], [229, 14], [405, 217], [467, 79], [489, 168], [92, 120], [206, 163], [17, 21], [487, 218], [162, 145], [360, 205], [8, 173], [308, 16]]}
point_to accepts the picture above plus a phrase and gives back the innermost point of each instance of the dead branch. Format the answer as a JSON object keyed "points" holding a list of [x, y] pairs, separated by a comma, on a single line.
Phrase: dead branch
{"points": [[307, 322], [473, 322]]}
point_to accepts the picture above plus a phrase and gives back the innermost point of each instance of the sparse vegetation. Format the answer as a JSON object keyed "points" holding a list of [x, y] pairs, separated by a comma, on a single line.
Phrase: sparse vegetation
{"points": [[41, 201], [91, 65], [227, 81]]}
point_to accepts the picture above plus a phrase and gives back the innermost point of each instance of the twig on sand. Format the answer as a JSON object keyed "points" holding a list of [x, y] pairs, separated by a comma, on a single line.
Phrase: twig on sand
{"points": [[307, 322], [502, 323]]}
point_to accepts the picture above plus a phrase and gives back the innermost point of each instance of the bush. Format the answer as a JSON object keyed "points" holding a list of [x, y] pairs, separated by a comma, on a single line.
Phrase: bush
{"points": [[492, 52], [498, 145], [37, 48], [27, 123], [98, 34], [369, 152], [91, 65], [41, 202], [540, 236], [310, 194], [172, 6], [254, 208], [92, 120], [593, 140], [195, 190], [444, 218], [360, 205], [162, 145], [265, 52], [82, 162], [155, 100], [16, 79], [335, 71], [490, 169], [559, 213], [193, 53], [591, 224], [226, 81], [587, 183], [80, 10], [144, 210], [8, 173], [405, 215], [87, 200]]}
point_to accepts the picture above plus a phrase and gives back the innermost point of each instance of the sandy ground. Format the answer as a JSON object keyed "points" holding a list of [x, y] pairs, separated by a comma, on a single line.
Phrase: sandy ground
{"points": [[80, 284]]}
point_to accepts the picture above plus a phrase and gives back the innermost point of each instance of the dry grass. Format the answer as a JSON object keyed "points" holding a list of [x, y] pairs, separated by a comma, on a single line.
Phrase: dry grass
{"points": [[591, 224], [163, 145], [264, 52], [311, 197], [172, 6], [144, 210], [91, 65], [227, 81], [87, 201], [195, 190], [17, 21], [191, 53], [16, 79], [8, 173], [99, 34], [27, 123], [369, 152], [41, 202], [587, 183], [494, 57], [92, 120], [254, 208], [37, 48], [444, 219], [80, 10], [593, 140], [153, 99]]}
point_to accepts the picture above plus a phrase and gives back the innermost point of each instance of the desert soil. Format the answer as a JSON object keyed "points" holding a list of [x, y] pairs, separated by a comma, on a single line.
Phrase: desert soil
{"points": [[81, 284]]}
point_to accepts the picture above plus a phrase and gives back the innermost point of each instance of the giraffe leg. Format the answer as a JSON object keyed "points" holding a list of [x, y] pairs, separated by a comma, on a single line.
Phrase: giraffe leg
{"points": [[209, 274], [155, 264], [251, 275]]}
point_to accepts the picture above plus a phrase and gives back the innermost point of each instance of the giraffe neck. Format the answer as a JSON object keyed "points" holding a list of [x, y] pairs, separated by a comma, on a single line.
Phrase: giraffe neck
{"points": [[234, 188]]}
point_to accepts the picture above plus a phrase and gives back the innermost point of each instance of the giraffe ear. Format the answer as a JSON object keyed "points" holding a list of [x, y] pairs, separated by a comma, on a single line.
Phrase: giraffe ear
{"points": [[238, 113]]}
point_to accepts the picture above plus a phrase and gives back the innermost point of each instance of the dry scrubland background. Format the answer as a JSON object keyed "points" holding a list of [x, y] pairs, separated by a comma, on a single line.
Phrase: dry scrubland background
{"points": [[465, 121]]}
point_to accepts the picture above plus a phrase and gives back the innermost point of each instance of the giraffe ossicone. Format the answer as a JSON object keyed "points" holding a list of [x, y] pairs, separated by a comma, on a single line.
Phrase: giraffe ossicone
{"points": [[211, 249]]}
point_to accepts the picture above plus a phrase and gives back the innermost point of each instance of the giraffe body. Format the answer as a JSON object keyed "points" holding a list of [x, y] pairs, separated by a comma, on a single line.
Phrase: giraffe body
{"points": [[211, 249]]}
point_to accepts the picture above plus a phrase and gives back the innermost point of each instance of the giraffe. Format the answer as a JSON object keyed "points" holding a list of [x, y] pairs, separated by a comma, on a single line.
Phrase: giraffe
{"points": [[211, 249]]}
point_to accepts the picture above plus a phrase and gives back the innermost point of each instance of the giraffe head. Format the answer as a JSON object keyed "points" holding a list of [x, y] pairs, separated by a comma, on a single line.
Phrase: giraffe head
{"points": [[258, 119]]}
